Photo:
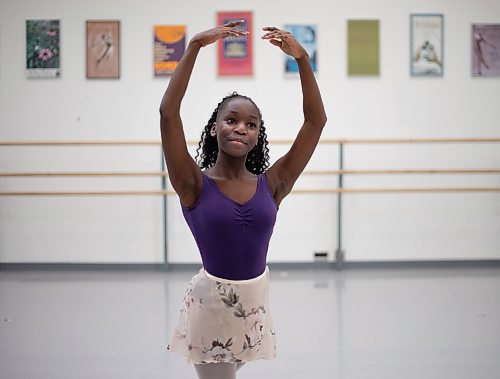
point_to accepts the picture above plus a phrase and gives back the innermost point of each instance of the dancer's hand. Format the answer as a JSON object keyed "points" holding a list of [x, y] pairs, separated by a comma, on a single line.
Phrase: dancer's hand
{"points": [[285, 41], [219, 32]]}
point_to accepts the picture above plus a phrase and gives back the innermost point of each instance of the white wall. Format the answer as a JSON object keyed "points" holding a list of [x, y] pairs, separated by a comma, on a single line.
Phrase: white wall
{"points": [[394, 105]]}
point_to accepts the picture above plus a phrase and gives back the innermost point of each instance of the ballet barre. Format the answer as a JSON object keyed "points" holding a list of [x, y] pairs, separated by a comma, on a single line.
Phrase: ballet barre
{"points": [[306, 172], [340, 173]]}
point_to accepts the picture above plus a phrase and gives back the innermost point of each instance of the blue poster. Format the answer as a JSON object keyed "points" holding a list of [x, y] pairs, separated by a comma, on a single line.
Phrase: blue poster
{"points": [[306, 35]]}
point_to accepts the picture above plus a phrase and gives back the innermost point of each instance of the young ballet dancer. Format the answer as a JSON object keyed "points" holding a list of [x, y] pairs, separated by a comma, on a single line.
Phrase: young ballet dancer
{"points": [[230, 199]]}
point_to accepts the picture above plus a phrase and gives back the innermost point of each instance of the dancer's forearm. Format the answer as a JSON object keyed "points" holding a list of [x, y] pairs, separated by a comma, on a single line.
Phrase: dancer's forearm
{"points": [[171, 101], [314, 111]]}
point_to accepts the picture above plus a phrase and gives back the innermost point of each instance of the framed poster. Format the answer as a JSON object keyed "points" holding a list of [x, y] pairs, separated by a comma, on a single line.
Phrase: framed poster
{"points": [[426, 44], [306, 35], [363, 44], [43, 49], [235, 54], [486, 49], [170, 44], [103, 49]]}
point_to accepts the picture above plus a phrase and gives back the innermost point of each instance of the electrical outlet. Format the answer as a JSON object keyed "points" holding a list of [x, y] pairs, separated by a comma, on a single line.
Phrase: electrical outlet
{"points": [[320, 256]]}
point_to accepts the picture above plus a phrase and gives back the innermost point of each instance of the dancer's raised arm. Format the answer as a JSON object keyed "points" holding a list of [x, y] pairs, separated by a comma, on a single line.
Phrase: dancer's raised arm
{"points": [[184, 173], [283, 174]]}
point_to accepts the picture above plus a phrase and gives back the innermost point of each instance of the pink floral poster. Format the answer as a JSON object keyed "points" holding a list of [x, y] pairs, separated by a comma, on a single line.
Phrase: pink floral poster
{"points": [[43, 49]]}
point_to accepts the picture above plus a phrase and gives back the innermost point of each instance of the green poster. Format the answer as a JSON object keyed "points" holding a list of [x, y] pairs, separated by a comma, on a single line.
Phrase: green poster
{"points": [[363, 46]]}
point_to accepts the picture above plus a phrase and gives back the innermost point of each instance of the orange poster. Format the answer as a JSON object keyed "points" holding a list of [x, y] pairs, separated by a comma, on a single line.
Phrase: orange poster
{"points": [[170, 44]]}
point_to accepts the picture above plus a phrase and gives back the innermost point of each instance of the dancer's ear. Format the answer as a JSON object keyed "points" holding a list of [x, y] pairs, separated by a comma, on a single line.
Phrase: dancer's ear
{"points": [[213, 130]]}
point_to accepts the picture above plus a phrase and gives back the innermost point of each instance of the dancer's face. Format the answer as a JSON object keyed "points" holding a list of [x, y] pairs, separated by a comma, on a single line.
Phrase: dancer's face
{"points": [[237, 127]]}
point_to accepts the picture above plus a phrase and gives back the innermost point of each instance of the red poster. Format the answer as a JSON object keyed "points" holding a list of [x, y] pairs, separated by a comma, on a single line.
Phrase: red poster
{"points": [[235, 53]]}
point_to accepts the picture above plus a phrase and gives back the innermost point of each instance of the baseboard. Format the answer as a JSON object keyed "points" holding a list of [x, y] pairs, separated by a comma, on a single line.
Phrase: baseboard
{"points": [[54, 266], [273, 265], [487, 263]]}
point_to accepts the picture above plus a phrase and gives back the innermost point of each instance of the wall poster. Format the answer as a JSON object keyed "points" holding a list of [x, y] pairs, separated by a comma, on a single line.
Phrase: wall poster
{"points": [[486, 49], [306, 35], [363, 46], [426, 44], [235, 54], [170, 44], [103, 49], [43, 49]]}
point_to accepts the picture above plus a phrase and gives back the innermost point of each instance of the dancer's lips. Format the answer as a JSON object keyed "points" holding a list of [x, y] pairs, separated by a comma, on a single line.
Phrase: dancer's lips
{"points": [[239, 140]]}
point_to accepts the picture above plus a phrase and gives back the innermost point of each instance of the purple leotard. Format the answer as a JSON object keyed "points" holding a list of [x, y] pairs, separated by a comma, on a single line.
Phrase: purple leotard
{"points": [[232, 238]]}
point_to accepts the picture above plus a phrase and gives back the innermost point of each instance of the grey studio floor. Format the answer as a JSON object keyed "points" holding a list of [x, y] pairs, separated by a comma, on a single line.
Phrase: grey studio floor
{"points": [[355, 323]]}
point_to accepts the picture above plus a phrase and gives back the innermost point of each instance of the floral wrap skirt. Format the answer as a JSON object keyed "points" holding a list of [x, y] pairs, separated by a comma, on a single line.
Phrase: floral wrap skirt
{"points": [[225, 320]]}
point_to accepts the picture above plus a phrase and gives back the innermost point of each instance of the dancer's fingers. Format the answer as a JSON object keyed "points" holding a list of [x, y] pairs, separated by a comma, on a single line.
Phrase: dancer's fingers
{"points": [[276, 35], [232, 24]]}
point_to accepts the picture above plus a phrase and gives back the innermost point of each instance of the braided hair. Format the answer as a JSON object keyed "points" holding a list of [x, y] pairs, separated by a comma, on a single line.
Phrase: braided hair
{"points": [[258, 158]]}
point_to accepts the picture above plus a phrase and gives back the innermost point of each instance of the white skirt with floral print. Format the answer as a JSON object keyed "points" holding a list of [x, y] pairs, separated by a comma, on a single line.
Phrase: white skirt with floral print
{"points": [[225, 320]]}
